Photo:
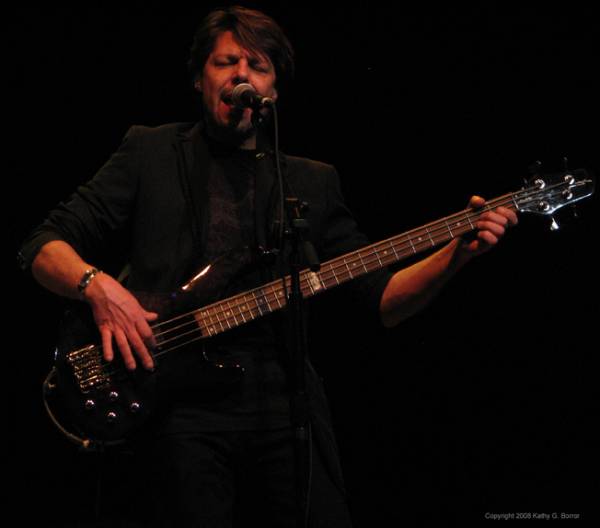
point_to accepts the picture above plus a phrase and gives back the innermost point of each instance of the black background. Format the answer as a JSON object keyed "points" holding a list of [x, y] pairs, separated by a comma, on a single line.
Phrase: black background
{"points": [[486, 402]]}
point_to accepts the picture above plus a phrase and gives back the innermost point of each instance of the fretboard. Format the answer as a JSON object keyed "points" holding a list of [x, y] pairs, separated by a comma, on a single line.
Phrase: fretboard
{"points": [[245, 307]]}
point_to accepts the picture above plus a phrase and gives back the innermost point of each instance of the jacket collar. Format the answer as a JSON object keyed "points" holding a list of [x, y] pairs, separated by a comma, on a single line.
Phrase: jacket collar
{"points": [[194, 156]]}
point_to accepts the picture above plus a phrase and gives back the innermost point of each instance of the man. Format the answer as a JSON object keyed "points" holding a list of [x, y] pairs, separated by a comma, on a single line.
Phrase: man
{"points": [[183, 195]]}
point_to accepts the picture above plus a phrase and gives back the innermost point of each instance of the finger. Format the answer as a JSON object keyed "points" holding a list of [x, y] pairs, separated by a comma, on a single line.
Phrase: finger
{"points": [[488, 237], [146, 333], [509, 214], [141, 350], [125, 349], [150, 316], [106, 335], [493, 216], [492, 227], [476, 202]]}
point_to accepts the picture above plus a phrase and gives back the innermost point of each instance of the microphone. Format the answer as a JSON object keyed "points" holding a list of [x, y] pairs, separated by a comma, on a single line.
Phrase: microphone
{"points": [[245, 96]]}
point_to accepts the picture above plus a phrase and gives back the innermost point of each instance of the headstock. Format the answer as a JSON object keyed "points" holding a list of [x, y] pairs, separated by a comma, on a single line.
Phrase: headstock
{"points": [[547, 193]]}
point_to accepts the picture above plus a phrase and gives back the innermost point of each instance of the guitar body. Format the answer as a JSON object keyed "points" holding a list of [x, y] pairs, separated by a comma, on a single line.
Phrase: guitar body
{"points": [[91, 398], [104, 402]]}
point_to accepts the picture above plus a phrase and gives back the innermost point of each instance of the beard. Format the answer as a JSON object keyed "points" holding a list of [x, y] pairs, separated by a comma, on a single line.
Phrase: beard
{"points": [[235, 131]]}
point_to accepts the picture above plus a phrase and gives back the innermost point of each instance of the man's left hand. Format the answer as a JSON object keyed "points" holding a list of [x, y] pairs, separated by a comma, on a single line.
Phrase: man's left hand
{"points": [[491, 227]]}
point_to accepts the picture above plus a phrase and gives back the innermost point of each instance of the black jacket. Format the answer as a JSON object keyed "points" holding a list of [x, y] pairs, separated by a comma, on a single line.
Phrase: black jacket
{"points": [[153, 193]]}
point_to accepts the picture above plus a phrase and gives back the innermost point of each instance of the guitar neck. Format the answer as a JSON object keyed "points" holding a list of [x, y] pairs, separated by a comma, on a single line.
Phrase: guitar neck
{"points": [[245, 307]]}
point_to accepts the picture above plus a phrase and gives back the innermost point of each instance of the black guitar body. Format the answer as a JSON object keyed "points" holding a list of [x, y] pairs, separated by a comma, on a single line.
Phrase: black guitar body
{"points": [[91, 398], [104, 402]]}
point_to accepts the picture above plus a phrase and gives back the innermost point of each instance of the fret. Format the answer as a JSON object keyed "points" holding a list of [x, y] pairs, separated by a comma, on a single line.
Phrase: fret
{"points": [[312, 292], [205, 317], [469, 220], [384, 252], [262, 303], [387, 253], [230, 313], [215, 315], [210, 318], [256, 302], [321, 281], [226, 320], [212, 330], [332, 270], [412, 245], [353, 260], [237, 305], [253, 293], [283, 293], [335, 276], [362, 262], [379, 260], [394, 250], [514, 201], [277, 293], [349, 271], [449, 230], [267, 296], [429, 235], [248, 300]]}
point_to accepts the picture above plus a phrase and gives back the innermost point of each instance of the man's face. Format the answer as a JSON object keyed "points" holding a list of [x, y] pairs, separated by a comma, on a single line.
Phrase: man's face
{"points": [[227, 66]]}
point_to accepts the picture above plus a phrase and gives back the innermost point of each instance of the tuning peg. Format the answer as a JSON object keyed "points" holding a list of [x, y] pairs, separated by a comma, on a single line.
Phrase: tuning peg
{"points": [[534, 169], [554, 224]]}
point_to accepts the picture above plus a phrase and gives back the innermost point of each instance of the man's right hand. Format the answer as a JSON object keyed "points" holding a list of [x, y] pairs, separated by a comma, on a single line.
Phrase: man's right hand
{"points": [[119, 315]]}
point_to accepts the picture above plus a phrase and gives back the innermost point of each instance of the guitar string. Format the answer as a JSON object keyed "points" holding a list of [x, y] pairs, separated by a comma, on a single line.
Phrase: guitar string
{"points": [[471, 214], [508, 199], [272, 293], [467, 214], [342, 262], [330, 271], [306, 290], [333, 266]]}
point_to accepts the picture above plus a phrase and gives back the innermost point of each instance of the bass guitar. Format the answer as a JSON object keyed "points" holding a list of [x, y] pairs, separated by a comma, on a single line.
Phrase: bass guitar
{"points": [[93, 401]]}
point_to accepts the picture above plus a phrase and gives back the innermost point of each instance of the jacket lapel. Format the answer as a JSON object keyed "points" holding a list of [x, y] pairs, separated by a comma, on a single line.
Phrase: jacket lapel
{"points": [[193, 164]]}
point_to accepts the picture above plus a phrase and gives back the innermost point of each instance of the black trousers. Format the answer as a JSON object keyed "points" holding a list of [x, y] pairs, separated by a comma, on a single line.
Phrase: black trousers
{"points": [[232, 479]]}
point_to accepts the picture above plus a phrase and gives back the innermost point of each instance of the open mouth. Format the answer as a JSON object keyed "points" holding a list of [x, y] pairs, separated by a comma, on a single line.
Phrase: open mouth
{"points": [[226, 98]]}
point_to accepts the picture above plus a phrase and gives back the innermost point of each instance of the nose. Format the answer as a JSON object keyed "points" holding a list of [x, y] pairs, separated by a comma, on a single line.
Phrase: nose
{"points": [[241, 71]]}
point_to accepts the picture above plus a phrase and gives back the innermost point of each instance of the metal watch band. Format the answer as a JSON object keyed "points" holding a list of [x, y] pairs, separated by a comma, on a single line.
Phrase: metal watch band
{"points": [[86, 279]]}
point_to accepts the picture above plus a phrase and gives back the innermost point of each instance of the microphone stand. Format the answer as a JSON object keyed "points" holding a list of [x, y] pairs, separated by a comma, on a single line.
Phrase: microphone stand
{"points": [[300, 246], [295, 234]]}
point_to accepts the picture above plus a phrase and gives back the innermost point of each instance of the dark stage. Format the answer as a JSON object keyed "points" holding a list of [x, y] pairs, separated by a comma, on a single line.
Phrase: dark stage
{"points": [[485, 404]]}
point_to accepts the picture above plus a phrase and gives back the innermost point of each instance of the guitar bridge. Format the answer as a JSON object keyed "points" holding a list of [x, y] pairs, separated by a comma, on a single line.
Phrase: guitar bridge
{"points": [[88, 368]]}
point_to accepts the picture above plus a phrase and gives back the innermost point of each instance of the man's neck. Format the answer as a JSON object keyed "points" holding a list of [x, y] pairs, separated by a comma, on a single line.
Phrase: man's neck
{"points": [[231, 139]]}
